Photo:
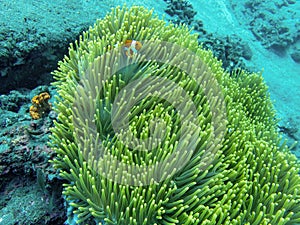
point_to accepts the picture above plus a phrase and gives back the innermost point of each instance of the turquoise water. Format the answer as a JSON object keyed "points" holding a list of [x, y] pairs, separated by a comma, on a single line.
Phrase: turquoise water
{"points": [[257, 36]]}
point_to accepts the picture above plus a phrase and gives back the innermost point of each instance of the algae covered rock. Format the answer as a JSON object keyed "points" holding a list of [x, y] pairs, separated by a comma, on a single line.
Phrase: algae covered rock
{"points": [[152, 130]]}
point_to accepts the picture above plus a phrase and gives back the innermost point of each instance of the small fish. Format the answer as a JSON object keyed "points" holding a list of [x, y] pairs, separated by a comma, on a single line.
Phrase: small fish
{"points": [[131, 47]]}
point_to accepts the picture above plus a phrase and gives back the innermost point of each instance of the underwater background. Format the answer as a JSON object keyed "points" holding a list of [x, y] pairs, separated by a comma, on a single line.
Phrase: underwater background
{"points": [[258, 36]]}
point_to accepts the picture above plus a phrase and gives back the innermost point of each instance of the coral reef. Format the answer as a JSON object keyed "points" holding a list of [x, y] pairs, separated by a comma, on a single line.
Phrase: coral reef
{"points": [[131, 158], [26, 59], [274, 32], [289, 128], [295, 55], [30, 191], [32, 41], [231, 49], [182, 12], [24, 202]]}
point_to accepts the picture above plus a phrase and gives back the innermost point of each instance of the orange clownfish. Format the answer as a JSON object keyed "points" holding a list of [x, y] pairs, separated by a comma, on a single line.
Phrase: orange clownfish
{"points": [[131, 47]]}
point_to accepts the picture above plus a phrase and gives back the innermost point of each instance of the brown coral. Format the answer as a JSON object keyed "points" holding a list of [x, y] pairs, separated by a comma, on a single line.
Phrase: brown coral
{"points": [[40, 105]]}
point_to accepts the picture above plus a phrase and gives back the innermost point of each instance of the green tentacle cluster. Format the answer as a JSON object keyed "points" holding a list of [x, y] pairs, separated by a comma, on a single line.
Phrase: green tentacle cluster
{"points": [[148, 138]]}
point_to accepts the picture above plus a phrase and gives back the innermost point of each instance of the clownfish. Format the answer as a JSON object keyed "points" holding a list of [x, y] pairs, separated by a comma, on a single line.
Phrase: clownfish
{"points": [[131, 47]]}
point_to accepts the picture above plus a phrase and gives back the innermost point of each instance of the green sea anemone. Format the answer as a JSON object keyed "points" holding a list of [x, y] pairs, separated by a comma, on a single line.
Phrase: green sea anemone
{"points": [[161, 134]]}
